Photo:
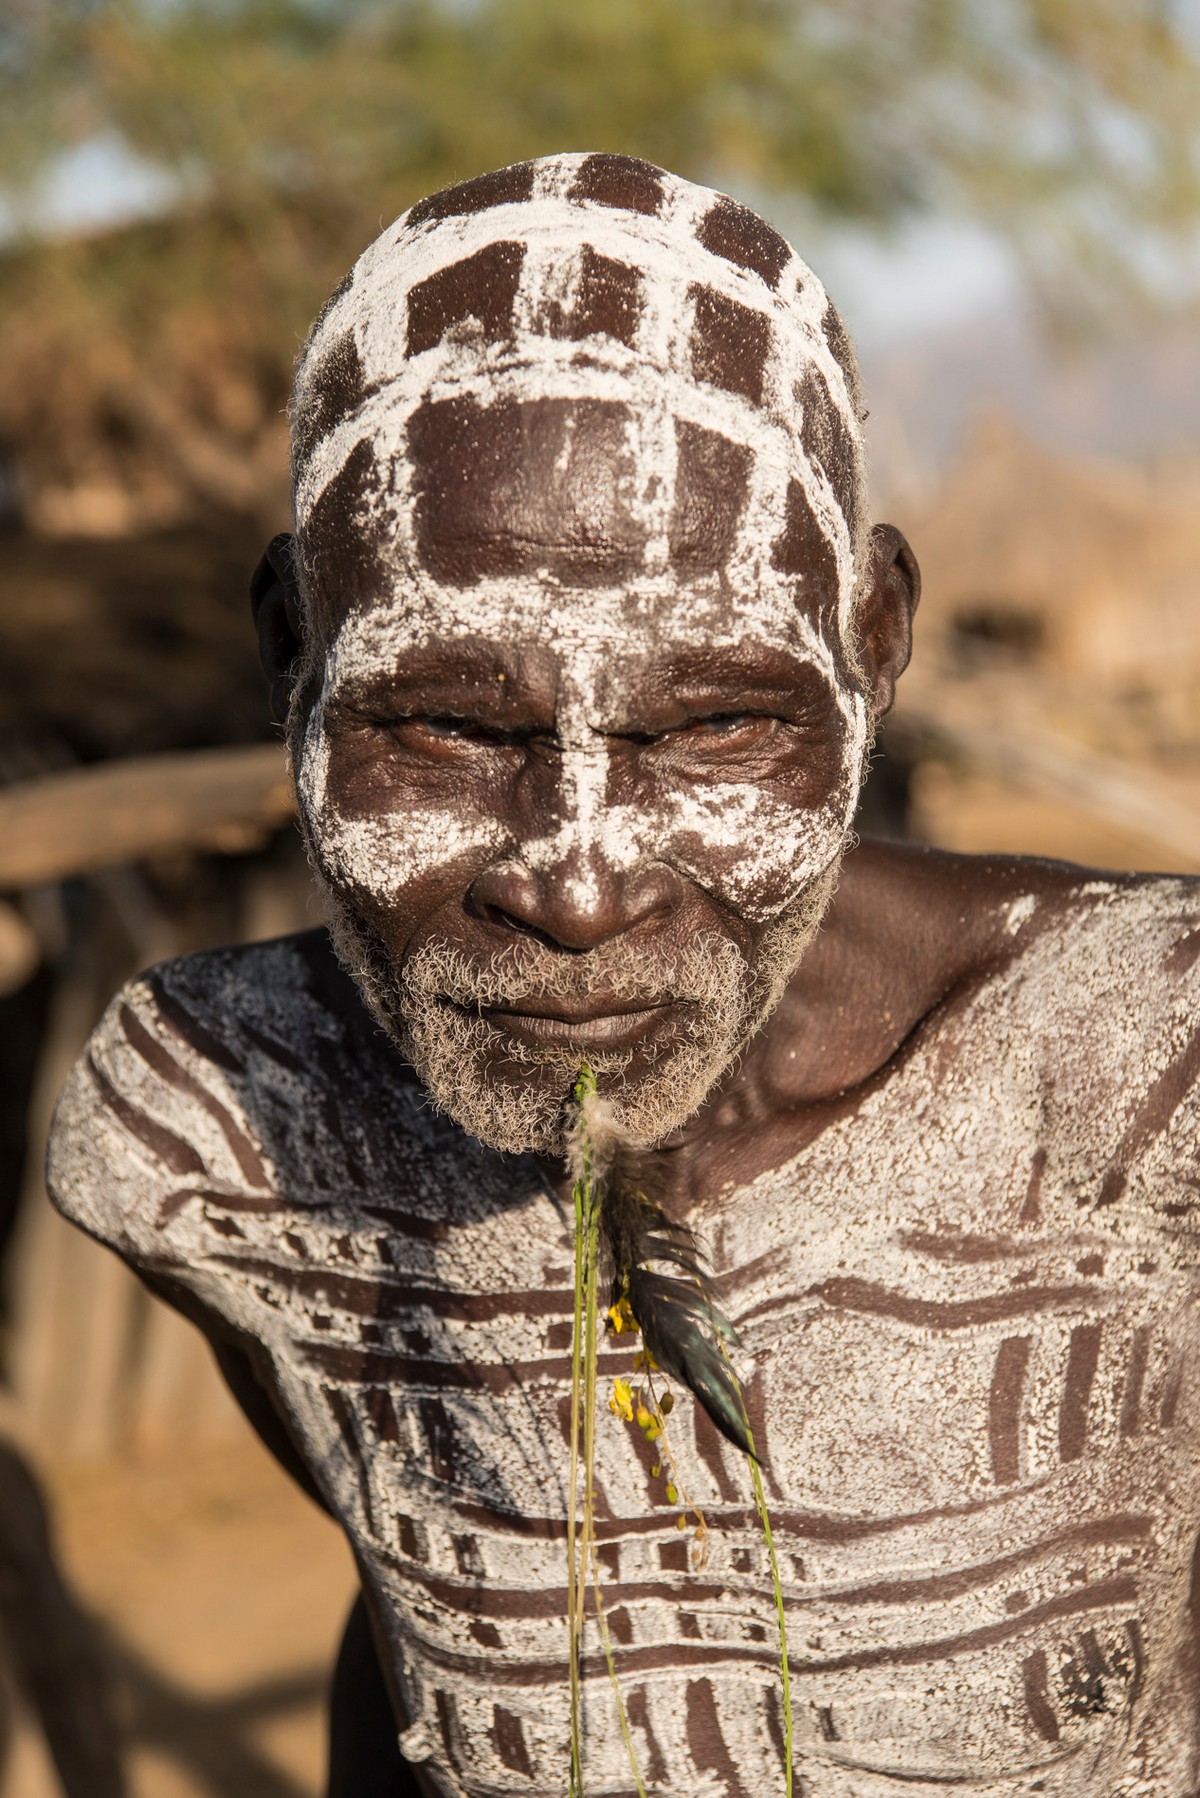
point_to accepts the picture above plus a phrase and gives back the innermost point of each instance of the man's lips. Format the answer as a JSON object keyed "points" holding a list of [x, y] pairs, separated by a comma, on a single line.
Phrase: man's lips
{"points": [[592, 1021]]}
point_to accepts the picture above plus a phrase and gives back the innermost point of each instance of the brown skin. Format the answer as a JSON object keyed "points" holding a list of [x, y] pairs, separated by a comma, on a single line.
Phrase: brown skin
{"points": [[909, 930], [909, 933], [836, 1048], [812, 1048], [478, 721]]}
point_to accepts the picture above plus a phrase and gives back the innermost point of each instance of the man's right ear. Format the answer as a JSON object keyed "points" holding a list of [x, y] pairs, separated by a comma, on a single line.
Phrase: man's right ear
{"points": [[275, 604]]}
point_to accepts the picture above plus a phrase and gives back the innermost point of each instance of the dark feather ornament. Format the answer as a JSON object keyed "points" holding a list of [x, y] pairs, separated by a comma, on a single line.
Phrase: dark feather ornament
{"points": [[681, 1326], [659, 1287]]}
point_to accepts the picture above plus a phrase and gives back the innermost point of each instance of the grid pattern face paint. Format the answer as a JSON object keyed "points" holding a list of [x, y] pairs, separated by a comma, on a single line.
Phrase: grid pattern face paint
{"points": [[584, 296], [573, 400]]}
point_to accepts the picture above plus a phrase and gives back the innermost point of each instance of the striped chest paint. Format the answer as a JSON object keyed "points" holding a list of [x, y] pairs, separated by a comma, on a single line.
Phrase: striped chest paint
{"points": [[971, 1304]]}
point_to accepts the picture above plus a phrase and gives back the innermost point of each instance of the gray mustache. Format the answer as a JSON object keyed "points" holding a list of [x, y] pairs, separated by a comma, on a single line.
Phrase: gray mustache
{"points": [[704, 972]]}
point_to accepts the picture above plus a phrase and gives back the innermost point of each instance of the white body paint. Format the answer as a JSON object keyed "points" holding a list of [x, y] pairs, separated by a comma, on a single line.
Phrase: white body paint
{"points": [[775, 845], [972, 1301], [654, 378], [971, 1298]]}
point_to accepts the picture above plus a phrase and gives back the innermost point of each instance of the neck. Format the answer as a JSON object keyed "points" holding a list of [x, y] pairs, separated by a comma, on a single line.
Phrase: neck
{"points": [[893, 944]]}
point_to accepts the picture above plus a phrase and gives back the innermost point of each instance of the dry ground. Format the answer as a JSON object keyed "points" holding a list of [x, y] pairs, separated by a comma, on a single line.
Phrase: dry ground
{"points": [[222, 1591]]}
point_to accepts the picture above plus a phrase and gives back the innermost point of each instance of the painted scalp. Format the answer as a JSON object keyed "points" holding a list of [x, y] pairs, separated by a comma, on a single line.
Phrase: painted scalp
{"points": [[595, 290]]}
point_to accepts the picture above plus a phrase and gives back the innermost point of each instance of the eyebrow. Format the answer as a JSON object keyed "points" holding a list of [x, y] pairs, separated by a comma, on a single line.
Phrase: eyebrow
{"points": [[456, 664], [468, 671], [763, 667]]}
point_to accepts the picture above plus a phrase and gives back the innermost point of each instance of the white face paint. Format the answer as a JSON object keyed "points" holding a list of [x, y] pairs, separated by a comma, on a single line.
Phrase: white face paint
{"points": [[533, 369], [753, 849]]}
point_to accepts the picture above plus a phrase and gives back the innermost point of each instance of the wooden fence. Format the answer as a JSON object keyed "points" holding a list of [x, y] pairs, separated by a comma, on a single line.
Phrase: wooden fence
{"points": [[97, 1366]]}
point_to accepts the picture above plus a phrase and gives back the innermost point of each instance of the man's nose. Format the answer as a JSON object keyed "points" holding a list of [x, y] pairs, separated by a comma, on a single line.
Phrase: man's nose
{"points": [[577, 903]]}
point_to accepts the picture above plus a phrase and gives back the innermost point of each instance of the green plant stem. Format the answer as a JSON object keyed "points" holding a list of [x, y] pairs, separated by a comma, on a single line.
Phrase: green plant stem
{"points": [[591, 1328], [574, 1611], [582, 1540], [583, 1379], [764, 1517]]}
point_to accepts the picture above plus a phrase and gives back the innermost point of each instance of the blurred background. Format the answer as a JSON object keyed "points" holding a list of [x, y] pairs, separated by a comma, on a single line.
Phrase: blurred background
{"points": [[1001, 195]]}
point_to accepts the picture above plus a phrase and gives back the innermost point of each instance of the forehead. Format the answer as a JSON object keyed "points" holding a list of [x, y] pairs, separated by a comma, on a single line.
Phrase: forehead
{"points": [[526, 529], [573, 378]]}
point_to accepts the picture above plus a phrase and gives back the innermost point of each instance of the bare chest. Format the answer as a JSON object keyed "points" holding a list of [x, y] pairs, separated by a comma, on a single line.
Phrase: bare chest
{"points": [[972, 1387]]}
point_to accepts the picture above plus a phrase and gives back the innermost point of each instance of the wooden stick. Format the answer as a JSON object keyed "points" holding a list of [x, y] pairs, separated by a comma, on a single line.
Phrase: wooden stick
{"points": [[1022, 752], [20, 951], [223, 800]]}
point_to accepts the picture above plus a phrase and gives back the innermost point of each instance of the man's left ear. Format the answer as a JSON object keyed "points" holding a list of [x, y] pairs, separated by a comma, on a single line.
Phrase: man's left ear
{"points": [[887, 599], [275, 605]]}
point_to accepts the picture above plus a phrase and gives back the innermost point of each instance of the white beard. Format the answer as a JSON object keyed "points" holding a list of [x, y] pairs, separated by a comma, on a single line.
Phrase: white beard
{"points": [[432, 1010]]}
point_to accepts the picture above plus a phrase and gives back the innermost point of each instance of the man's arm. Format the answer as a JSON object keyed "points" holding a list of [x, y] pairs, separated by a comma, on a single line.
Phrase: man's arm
{"points": [[147, 1129], [238, 1359]]}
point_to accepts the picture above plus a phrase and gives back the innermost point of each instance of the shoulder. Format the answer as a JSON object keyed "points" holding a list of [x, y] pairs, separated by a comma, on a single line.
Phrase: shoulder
{"points": [[1090, 981], [1104, 972], [1122, 950], [970, 920], [199, 1072], [1067, 995], [222, 1001], [1102, 993], [988, 956]]}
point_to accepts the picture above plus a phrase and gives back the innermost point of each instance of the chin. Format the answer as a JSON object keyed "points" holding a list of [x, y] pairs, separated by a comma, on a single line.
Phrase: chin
{"points": [[515, 1095], [518, 1105]]}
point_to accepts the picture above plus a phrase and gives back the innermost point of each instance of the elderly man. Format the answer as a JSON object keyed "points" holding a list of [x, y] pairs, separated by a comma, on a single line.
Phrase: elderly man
{"points": [[580, 645]]}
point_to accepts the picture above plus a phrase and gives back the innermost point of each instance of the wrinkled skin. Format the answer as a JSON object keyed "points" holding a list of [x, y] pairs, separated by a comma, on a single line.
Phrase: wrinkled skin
{"points": [[917, 964], [635, 787]]}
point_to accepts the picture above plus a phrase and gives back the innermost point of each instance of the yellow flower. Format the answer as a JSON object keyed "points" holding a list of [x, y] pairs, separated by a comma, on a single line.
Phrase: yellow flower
{"points": [[645, 1417], [621, 1402], [621, 1320]]}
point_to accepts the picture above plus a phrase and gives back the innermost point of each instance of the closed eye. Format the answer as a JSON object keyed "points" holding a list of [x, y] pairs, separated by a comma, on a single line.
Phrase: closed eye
{"points": [[722, 721], [737, 729], [447, 728], [454, 727], [710, 724]]}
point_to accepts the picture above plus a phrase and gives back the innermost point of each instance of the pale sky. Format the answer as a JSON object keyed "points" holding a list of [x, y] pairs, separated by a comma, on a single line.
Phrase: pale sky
{"points": [[932, 274]]}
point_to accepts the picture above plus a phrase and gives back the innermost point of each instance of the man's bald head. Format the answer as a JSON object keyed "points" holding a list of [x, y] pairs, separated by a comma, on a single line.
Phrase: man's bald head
{"points": [[585, 369]]}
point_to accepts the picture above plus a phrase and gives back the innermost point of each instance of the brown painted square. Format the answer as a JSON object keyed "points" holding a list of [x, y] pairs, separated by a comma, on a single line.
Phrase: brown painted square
{"points": [[730, 343], [711, 478], [608, 301], [622, 181], [334, 388], [803, 548], [731, 231], [500, 188], [524, 485], [482, 286], [828, 442]]}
